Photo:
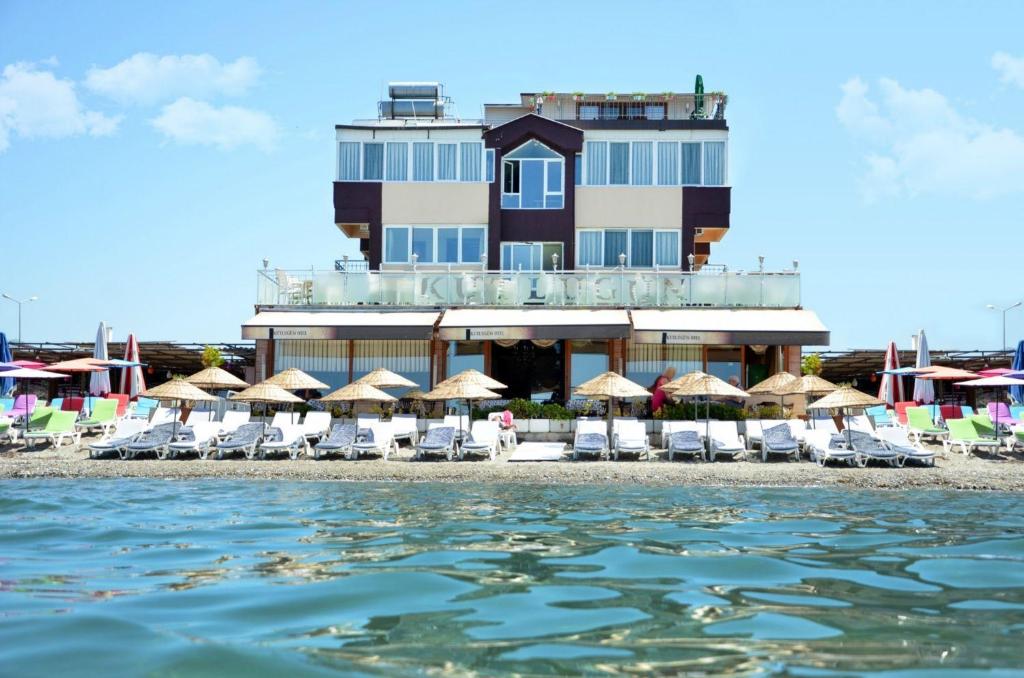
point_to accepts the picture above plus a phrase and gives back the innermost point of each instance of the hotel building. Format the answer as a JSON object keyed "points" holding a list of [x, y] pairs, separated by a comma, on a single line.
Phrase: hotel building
{"points": [[563, 235]]}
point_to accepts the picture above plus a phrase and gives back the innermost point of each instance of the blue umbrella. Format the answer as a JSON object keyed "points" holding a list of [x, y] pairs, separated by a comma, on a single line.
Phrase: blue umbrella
{"points": [[1016, 392], [6, 385]]}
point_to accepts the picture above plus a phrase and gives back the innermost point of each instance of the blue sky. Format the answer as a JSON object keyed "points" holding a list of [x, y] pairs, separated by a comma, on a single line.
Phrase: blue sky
{"points": [[151, 154]]}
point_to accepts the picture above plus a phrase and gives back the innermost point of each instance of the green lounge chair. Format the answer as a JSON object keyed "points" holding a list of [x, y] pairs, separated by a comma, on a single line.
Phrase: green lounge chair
{"points": [[920, 425], [104, 416], [60, 425], [38, 419], [965, 434], [984, 424]]}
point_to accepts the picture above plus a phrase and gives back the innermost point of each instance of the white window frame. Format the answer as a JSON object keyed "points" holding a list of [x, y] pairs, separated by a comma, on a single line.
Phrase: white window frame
{"points": [[629, 247], [489, 159], [654, 160], [544, 179], [435, 242], [540, 243]]}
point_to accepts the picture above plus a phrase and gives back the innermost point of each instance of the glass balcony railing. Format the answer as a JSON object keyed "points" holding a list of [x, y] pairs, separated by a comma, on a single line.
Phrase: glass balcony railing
{"points": [[603, 288]]}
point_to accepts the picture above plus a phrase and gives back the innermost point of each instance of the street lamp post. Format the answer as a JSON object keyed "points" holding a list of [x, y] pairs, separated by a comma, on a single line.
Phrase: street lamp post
{"points": [[19, 302], [994, 308]]}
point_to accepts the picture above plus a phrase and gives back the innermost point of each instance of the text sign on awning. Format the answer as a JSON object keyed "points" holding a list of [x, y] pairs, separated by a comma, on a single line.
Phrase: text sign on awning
{"points": [[304, 332]]}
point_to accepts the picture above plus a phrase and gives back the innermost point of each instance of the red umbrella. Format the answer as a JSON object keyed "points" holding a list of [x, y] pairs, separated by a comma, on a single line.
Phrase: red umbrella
{"points": [[132, 381], [890, 391], [995, 372]]}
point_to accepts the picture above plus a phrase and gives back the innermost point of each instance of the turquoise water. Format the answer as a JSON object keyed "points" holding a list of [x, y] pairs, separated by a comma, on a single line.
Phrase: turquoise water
{"points": [[147, 577]]}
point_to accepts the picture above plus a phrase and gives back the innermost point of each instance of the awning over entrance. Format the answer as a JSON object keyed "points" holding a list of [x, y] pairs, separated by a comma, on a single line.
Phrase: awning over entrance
{"points": [[495, 323], [340, 325], [787, 327]]}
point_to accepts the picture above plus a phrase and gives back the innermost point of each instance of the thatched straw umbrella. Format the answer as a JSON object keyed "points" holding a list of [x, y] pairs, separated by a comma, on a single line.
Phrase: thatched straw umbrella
{"points": [[177, 390], [842, 398], [294, 379], [611, 385], [774, 385], [214, 378], [357, 392], [809, 384], [461, 387], [710, 387], [476, 377], [265, 393], [385, 378]]}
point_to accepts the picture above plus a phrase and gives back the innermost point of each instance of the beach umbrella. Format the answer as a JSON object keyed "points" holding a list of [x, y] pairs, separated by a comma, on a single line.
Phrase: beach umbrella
{"points": [[611, 385], [79, 366], [6, 383], [843, 398], [99, 382], [265, 393], [214, 378], [358, 392], [924, 390], [710, 387], [132, 380], [384, 378], [27, 374], [698, 95], [995, 372], [1017, 392], [993, 382], [179, 391], [477, 377], [461, 387], [943, 373], [890, 390], [774, 385], [30, 364], [808, 385], [670, 387], [294, 379]]}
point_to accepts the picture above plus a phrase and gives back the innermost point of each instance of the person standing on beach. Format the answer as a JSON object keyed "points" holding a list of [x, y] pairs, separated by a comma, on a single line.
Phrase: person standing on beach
{"points": [[659, 394]]}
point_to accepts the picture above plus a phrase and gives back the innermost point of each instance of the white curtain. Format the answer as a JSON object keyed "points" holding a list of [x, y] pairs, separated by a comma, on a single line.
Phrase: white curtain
{"points": [[423, 161], [446, 162], [666, 248], [373, 162], [472, 160], [348, 161], [668, 163], [590, 248], [691, 164], [398, 161], [597, 163], [714, 163], [618, 163], [643, 163]]}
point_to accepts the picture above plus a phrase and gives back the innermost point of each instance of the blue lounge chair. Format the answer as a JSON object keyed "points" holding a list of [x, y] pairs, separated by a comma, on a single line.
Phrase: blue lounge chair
{"points": [[869, 448], [779, 440], [339, 441], [154, 440], [440, 440], [127, 432], [967, 410], [144, 408], [245, 439], [685, 442]]}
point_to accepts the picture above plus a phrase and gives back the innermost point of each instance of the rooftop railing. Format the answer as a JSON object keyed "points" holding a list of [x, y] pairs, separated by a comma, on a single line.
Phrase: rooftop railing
{"points": [[620, 287]]}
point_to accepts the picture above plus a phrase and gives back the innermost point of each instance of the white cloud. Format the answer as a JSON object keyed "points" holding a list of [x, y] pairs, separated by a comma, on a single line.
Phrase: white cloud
{"points": [[192, 122], [1011, 68], [917, 143], [145, 78], [35, 103]]}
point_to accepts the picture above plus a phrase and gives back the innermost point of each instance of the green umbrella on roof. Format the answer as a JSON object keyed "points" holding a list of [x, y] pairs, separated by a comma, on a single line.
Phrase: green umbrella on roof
{"points": [[698, 97]]}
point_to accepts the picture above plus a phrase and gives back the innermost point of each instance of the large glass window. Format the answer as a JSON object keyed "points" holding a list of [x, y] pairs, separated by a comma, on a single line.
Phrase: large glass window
{"points": [[464, 355], [398, 161], [587, 360], [448, 245], [666, 248], [423, 244], [434, 244], [643, 163], [646, 362], [472, 243], [714, 163], [325, 360], [423, 161], [615, 243], [396, 245], [447, 162], [591, 249], [641, 248], [489, 162], [472, 160], [578, 170], [348, 161], [725, 362], [532, 178], [408, 357], [668, 163], [691, 164], [618, 163], [597, 163], [373, 162], [530, 256]]}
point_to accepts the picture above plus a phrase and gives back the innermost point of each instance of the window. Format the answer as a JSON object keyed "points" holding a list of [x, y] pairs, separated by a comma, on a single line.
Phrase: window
{"points": [[646, 362], [618, 163], [589, 112], [489, 162], [724, 363], [447, 162], [472, 157], [434, 244], [530, 256], [398, 161], [714, 163], [423, 161], [621, 110], [666, 248], [348, 161], [463, 355], [532, 178], [643, 163], [597, 163], [668, 163], [588, 359], [578, 170], [691, 164], [373, 162], [643, 247]]}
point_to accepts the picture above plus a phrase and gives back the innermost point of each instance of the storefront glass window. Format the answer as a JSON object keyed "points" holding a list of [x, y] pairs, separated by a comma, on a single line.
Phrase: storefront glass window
{"points": [[587, 360], [463, 355], [409, 358], [324, 360], [725, 363], [645, 362]]}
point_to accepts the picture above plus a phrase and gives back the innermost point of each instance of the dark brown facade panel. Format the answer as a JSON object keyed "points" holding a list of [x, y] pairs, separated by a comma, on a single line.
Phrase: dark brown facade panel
{"points": [[648, 124], [359, 202]]}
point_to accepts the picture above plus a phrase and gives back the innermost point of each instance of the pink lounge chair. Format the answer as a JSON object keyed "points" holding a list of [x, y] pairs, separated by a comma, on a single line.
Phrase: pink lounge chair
{"points": [[901, 410], [23, 406], [996, 412]]}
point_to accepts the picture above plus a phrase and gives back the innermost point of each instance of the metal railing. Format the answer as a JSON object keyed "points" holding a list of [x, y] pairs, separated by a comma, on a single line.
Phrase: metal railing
{"points": [[620, 287]]}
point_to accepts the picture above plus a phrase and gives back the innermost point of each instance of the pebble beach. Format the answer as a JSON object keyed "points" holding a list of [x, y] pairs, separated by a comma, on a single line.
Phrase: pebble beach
{"points": [[953, 471]]}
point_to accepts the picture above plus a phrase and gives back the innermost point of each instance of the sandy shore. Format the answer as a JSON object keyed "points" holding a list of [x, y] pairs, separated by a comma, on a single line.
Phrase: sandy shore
{"points": [[953, 471]]}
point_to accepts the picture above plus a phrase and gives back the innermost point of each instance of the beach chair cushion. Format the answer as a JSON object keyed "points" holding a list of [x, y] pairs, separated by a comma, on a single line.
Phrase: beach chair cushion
{"points": [[780, 439], [244, 436], [342, 437], [685, 441], [591, 441], [439, 438]]}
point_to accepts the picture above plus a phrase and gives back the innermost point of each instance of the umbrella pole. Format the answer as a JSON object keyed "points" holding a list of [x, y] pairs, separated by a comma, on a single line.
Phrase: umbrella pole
{"points": [[707, 424]]}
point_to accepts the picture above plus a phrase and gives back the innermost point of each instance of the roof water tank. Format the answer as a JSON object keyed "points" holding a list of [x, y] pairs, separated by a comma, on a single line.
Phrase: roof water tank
{"points": [[414, 90], [412, 108]]}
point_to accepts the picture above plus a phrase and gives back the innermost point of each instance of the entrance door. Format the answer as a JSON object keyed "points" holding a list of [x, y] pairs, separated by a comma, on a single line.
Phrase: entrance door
{"points": [[532, 372]]}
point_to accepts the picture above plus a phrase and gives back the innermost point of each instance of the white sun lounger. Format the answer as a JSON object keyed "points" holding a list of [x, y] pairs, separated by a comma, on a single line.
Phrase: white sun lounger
{"points": [[483, 437], [316, 424], [897, 439], [591, 438], [199, 438], [381, 441], [726, 439], [232, 420], [631, 438], [285, 438], [404, 427]]}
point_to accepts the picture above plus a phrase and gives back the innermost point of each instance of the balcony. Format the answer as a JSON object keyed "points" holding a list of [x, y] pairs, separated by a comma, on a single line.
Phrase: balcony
{"points": [[614, 288]]}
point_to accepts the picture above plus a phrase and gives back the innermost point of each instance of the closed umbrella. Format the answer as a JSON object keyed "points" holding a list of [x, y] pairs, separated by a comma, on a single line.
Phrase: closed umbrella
{"points": [[924, 390], [1017, 392], [890, 390], [698, 96], [843, 398], [6, 383], [611, 385], [27, 374], [99, 382], [179, 391], [710, 387], [132, 380]]}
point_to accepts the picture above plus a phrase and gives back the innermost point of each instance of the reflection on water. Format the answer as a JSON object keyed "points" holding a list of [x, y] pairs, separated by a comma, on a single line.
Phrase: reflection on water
{"points": [[262, 578]]}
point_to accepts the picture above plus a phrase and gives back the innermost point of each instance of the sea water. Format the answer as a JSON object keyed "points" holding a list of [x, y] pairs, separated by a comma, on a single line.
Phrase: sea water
{"points": [[213, 577]]}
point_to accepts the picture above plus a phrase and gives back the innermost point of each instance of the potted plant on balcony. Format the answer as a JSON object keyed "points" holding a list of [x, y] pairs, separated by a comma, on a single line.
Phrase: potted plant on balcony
{"points": [[577, 96], [549, 96], [611, 96], [639, 96], [668, 96]]}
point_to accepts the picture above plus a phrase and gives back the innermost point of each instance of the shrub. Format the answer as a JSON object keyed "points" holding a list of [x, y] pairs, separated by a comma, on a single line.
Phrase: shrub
{"points": [[690, 411], [212, 357], [811, 364]]}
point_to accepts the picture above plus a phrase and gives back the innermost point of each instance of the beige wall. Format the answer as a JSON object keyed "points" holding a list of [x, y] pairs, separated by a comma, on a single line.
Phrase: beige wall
{"points": [[629, 206], [434, 203]]}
